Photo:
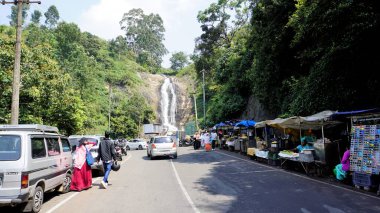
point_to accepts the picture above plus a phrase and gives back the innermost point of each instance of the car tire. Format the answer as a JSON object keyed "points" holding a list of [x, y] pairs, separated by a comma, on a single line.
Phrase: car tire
{"points": [[151, 157], [140, 147], [128, 148], [66, 183], [175, 156], [38, 199], [147, 153]]}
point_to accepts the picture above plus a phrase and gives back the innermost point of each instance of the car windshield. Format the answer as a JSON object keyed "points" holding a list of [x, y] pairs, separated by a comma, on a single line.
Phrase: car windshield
{"points": [[163, 140], [10, 147]]}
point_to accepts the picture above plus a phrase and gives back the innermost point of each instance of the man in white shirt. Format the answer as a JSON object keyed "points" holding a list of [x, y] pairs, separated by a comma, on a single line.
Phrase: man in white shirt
{"points": [[213, 139]]}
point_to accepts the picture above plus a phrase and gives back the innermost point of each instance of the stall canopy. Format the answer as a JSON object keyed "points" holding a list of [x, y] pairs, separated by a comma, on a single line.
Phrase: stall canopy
{"points": [[221, 124], [246, 123], [314, 122], [349, 114], [261, 124]]}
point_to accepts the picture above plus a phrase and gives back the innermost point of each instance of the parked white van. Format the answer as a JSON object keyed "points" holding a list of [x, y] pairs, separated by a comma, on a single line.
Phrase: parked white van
{"points": [[33, 159]]}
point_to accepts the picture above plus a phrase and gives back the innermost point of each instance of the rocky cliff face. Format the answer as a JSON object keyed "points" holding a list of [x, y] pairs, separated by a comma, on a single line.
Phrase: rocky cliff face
{"points": [[254, 110], [151, 91]]}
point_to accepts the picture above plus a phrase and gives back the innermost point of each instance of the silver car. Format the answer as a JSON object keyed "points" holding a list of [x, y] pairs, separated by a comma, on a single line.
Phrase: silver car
{"points": [[136, 144], [161, 146], [74, 140]]}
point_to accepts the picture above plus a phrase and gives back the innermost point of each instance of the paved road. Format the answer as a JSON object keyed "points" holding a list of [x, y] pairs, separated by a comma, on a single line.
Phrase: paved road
{"points": [[208, 182]]}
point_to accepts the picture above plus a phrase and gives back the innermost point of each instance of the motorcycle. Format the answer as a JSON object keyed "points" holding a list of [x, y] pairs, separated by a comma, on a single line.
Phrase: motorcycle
{"points": [[118, 153], [185, 142], [124, 148]]}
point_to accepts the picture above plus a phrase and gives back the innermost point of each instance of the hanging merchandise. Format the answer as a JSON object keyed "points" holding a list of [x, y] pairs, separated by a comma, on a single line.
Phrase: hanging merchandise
{"points": [[365, 149]]}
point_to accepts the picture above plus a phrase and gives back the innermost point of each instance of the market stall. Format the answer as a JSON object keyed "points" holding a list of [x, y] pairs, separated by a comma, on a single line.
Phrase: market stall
{"points": [[260, 149], [319, 147], [244, 127], [365, 146]]}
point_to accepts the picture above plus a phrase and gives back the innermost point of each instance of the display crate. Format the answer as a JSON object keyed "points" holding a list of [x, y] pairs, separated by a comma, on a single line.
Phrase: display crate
{"points": [[365, 180]]}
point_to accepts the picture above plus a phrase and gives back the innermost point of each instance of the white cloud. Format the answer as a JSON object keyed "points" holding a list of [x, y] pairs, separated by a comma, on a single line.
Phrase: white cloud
{"points": [[179, 18]]}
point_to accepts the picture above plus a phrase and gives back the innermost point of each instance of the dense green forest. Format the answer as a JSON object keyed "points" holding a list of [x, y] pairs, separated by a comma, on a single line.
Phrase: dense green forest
{"points": [[72, 79], [296, 57]]}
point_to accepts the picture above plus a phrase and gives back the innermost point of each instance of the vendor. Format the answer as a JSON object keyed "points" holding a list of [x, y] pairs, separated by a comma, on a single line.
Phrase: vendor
{"points": [[303, 145], [341, 169]]}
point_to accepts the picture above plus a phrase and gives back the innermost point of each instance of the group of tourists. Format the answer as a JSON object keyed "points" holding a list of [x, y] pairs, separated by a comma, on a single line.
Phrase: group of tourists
{"points": [[203, 139], [82, 175]]}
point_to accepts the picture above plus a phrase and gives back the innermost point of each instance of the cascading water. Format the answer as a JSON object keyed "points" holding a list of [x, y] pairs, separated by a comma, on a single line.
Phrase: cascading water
{"points": [[168, 105]]}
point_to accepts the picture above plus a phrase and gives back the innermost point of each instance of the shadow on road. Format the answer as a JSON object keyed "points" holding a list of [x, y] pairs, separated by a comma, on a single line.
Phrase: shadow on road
{"points": [[253, 187]]}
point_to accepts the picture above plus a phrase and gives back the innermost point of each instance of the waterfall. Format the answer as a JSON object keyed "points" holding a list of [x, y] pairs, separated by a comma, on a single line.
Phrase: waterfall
{"points": [[168, 105]]}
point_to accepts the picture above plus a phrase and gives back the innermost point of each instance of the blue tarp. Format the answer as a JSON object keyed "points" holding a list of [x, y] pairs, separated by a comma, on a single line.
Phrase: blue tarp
{"points": [[340, 115], [246, 123], [221, 124]]}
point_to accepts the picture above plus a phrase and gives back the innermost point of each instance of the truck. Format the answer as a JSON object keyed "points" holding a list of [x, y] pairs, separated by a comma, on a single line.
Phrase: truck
{"points": [[152, 129]]}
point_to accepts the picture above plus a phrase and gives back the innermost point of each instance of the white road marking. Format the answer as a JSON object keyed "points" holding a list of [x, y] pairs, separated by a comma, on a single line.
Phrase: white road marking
{"points": [[249, 172], [62, 202], [94, 180], [183, 189], [304, 177]]}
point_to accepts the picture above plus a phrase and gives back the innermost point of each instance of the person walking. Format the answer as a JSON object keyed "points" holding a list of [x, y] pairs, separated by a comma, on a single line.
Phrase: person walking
{"points": [[213, 139], [197, 142], [82, 176], [106, 154]]}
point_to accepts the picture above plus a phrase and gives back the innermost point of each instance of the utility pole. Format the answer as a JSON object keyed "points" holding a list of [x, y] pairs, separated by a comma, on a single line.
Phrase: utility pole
{"points": [[204, 99], [15, 110], [109, 106], [195, 105]]}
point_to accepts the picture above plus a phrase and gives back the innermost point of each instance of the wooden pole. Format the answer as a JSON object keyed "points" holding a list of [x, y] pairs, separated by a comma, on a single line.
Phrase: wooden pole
{"points": [[15, 108]]}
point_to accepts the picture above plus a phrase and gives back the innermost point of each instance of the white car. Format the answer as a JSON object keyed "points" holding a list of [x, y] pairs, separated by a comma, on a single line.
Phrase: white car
{"points": [[136, 144], [162, 146]]}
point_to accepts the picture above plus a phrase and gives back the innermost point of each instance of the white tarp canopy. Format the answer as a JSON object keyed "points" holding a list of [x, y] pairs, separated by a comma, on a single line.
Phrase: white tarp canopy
{"points": [[261, 124], [314, 122]]}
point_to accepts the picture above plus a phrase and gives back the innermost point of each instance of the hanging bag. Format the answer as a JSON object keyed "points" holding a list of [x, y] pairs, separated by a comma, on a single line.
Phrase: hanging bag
{"points": [[89, 158]]}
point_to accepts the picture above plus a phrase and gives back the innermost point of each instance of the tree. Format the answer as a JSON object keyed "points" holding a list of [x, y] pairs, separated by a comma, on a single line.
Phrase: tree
{"points": [[36, 16], [52, 16], [13, 16], [145, 34], [178, 61], [118, 46]]}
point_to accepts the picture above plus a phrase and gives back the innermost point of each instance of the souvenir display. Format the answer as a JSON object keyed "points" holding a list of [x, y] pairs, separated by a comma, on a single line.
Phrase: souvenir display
{"points": [[364, 152]]}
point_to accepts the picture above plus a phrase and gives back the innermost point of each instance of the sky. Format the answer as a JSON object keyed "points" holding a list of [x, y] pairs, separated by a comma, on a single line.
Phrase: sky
{"points": [[101, 17]]}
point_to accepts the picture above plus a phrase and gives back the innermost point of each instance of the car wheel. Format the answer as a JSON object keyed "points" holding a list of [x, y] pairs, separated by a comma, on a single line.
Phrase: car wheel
{"points": [[140, 147], [151, 157], [128, 148], [38, 199], [175, 156], [66, 183], [147, 153]]}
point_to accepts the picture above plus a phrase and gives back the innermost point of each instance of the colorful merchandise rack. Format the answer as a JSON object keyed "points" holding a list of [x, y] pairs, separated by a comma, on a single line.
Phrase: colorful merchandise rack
{"points": [[365, 149]]}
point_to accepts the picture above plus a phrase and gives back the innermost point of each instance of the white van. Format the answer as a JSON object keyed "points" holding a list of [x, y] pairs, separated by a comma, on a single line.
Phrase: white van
{"points": [[33, 159]]}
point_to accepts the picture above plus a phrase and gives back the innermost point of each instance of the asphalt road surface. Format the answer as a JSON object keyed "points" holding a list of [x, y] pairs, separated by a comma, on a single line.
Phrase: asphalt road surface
{"points": [[200, 181]]}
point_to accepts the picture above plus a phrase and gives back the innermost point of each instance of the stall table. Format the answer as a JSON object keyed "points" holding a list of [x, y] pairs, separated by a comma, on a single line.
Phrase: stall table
{"points": [[305, 162]]}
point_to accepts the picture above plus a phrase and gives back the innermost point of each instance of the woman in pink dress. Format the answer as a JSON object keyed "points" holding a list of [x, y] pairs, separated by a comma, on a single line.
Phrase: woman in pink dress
{"points": [[82, 176]]}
